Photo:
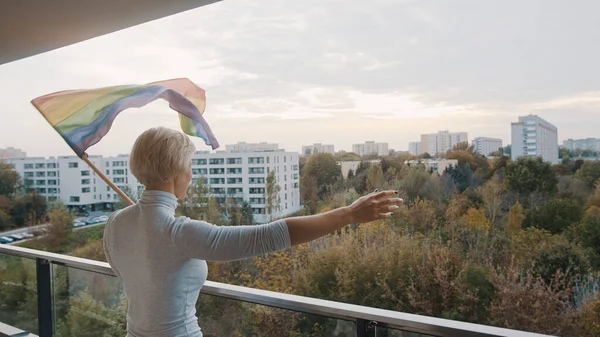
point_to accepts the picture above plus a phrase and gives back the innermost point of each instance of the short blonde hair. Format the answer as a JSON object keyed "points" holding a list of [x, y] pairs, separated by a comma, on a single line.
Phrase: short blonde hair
{"points": [[159, 155]]}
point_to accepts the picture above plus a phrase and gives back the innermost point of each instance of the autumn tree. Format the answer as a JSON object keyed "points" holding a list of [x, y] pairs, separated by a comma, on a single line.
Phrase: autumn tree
{"points": [[530, 178], [28, 207], [516, 217], [213, 212], [272, 195], [589, 172], [9, 180], [555, 215], [59, 228], [375, 178], [128, 192], [414, 183], [323, 169], [492, 198], [195, 203]]}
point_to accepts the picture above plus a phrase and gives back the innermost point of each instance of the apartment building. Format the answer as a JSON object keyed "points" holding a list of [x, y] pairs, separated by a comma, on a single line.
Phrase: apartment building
{"points": [[435, 165], [238, 175], [11, 152], [371, 148], [414, 148], [486, 145], [250, 147], [442, 141], [533, 136], [309, 150], [592, 144]]}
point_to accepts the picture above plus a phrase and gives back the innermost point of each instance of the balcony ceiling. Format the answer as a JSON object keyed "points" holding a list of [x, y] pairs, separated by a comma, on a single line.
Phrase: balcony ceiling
{"points": [[31, 27]]}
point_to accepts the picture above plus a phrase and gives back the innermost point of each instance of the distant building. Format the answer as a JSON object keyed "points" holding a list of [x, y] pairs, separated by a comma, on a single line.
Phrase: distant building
{"points": [[414, 148], [533, 136], [371, 148], [250, 147], [485, 145], [346, 166], [592, 144], [309, 150], [435, 165], [442, 141], [237, 175], [11, 152]]}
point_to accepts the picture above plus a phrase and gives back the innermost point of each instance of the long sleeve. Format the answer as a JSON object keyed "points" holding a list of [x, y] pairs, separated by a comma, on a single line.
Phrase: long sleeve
{"points": [[201, 240]]}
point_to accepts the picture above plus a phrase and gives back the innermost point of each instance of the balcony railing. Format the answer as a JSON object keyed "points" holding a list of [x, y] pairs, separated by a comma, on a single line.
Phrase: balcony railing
{"points": [[361, 321]]}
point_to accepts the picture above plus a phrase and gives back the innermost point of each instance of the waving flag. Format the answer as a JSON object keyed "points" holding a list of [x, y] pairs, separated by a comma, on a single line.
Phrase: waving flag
{"points": [[83, 117]]}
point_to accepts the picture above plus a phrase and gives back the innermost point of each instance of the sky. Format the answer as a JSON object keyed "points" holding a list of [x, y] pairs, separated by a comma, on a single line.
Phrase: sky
{"points": [[332, 71]]}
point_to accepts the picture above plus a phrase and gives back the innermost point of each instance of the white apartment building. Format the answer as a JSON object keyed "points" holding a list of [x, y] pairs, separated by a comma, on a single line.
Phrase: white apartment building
{"points": [[486, 145], [309, 150], [346, 166], [533, 136], [11, 152], [414, 148], [592, 144], [249, 147], [238, 175], [370, 148], [435, 165], [442, 141]]}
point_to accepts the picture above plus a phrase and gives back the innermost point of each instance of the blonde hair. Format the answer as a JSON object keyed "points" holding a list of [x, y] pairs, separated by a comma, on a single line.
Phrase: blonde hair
{"points": [[159, 155]]}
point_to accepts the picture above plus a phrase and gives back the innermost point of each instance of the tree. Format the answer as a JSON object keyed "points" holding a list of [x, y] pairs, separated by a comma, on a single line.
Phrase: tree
{"points": [[492, 198], [324, 169], [59, 227], [530, 175], [272, 195], [30, 206], [195, 203], [374, 178], [462, 176], [516, 216], [9, 180], [589, 172], [414, 183], [555, 216], [213, 214]]}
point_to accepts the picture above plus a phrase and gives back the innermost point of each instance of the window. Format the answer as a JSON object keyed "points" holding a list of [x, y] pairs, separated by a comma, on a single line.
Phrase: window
{"points": [[74, 199], [285, 168], [217, 180], [286, 205], [257, 201], [284, 178], [28, 166], [73, 165], [286, 197], [199, 171], [234, 180], [40, 174], [52, 182], [256, 160], [40, 165], [285, 159], [52, 190], [117, 172], [256, 170], [268, 159], [28, 174], [85, 190], [40, 182], [115, 197], [107, 196], [119, 180], [85, 173], [295, 175], [295, 167], [234, 161], [198, 161], [51, 174], [51, 165], [260, 180], [257, 190], [234, 170], [107, 164], [41, 190], [235, 190], [28, 182], [217, 190], [217, 171], [85, 181], [258, 211], [295, 185], [216, 161], [52, 198], [118, 164]]}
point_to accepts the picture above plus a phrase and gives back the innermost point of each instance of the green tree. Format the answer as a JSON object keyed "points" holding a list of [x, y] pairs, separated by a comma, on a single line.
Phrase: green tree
{"points": [[530, 175], [272, 194], [555, 216], [589, 172], [325, 171], [415, 183], [375, 178], [59, 228], [462, 176], [516, 217], [28, 207], [195, 203], [9, 180], [214, 214]]}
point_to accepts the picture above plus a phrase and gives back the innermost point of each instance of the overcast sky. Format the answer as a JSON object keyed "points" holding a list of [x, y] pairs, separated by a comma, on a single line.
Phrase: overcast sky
{"points": [[335, 72]]}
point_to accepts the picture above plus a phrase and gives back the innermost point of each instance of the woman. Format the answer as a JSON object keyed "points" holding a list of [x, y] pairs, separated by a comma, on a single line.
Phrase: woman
{"points": [[161, 258]]}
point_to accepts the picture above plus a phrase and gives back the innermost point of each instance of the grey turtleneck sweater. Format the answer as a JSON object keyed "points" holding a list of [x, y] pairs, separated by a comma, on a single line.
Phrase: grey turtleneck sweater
{"points": [[161, 260]]}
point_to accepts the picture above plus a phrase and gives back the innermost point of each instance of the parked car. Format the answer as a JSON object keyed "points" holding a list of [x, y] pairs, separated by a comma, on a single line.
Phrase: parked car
{"points": [[103, 218], [16, 237], [27, 235], [5, 239], [78, 223]]}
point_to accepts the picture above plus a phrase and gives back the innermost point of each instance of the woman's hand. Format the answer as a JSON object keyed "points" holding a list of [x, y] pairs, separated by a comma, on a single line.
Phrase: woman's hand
{"points": [[374, 206]]}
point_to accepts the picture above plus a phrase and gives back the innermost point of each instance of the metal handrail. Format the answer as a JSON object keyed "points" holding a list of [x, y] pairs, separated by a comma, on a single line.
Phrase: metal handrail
{"points": [[380, 317]]}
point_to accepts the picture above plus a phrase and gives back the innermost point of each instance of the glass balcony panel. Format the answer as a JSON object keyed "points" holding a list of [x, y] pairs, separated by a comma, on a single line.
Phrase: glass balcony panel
{"points": [[18, 293], [225, 317], [87, 304]]}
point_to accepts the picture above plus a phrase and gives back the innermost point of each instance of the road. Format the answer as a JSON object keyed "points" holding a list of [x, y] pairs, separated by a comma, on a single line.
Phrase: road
{"points": [[39, 228]]}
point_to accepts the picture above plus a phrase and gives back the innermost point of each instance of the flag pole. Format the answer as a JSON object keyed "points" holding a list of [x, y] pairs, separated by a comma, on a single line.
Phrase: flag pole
{"points": [[122, 194]]}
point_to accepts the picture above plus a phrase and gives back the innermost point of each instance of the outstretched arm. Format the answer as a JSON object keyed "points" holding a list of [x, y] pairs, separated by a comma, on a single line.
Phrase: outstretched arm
{"points": [[199, 239]]}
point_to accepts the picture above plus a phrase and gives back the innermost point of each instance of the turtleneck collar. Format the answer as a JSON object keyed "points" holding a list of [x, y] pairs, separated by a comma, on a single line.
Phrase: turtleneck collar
{"points": [[156, 197]]}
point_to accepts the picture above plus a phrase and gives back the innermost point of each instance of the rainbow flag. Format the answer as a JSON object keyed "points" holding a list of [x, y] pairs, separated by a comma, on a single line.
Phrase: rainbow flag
{"points": [[83, 117]]}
